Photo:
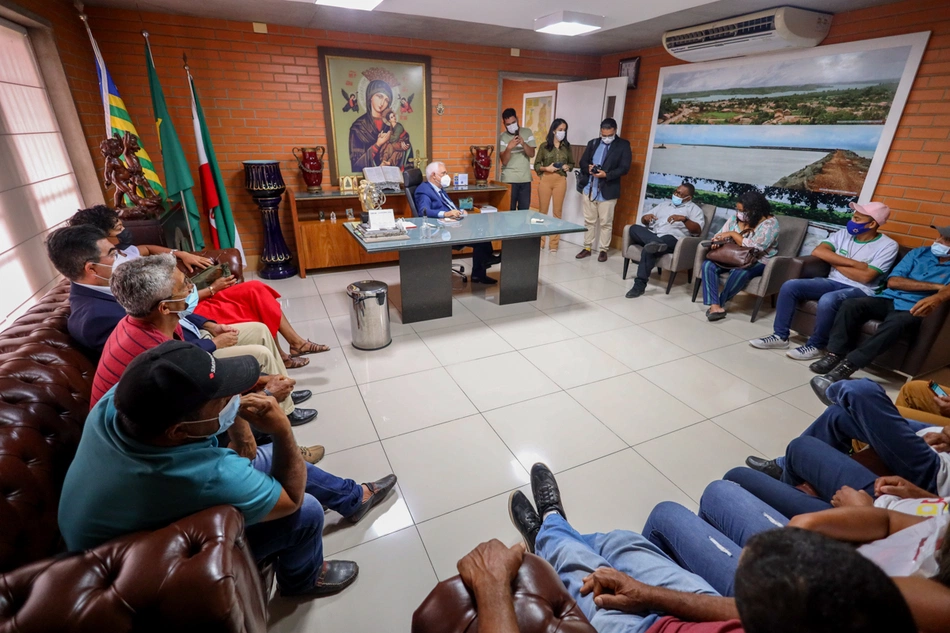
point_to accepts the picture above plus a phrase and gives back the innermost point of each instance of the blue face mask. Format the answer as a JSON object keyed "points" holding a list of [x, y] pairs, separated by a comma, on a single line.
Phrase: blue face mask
{"points": [[677, 201], [940, 250], [854, 228], [191, 302], [226, 417]]}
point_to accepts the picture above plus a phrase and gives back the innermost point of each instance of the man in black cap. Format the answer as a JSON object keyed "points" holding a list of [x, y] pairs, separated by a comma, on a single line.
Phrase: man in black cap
{"points": [[149, 456], [915, 287]]}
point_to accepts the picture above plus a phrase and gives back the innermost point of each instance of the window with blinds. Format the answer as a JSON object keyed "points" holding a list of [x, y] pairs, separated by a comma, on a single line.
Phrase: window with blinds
{"points": [[38, 189]]}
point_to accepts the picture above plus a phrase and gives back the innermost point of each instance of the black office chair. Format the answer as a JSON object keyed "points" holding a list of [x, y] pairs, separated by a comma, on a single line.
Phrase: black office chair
{"points": [[412, 178]]}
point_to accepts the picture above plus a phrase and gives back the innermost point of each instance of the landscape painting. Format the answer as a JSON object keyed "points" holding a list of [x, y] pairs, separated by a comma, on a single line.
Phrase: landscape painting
{"points": [[810, 129]]}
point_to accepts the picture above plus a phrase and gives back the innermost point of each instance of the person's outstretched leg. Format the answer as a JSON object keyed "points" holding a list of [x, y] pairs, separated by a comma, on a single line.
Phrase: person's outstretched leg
{"points": [[296, 542], [574, 559], [736, 512], [695, 545], [341, 495], [827, 470], [785, 498]]}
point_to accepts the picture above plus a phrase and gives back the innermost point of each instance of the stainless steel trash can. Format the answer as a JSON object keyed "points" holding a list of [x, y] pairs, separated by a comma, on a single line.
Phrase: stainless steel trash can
{"points": [[369, 318]]}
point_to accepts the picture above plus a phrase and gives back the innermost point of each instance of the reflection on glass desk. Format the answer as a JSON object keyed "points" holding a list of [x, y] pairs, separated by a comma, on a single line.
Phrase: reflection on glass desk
{"points": [[425, 277]]}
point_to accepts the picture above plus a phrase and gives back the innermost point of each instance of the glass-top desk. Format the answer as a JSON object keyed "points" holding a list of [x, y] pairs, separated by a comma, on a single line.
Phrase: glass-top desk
{"points": [[425, 260]]}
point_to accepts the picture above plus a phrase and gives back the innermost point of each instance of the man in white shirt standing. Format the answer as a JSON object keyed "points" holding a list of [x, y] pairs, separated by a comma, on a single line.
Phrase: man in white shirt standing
{"points": [[860, 257], [665, 225]]}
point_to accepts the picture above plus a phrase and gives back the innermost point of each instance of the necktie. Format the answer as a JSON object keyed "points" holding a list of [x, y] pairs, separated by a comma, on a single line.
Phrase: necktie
{"points": [[446, 199]]}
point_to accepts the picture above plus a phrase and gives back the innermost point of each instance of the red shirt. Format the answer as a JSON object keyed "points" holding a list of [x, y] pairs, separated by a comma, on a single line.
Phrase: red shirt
{"points": [[130, 338], [669, 624]]}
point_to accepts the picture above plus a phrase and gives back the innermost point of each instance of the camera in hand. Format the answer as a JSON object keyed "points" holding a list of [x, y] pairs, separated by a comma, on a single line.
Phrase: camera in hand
{"points": [[594, 169], [557, 165]]}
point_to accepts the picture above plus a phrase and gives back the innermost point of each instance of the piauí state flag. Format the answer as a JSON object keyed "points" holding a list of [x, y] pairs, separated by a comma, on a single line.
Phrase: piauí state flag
{"points": [[117, 117], [177, 173], [224, 233]]}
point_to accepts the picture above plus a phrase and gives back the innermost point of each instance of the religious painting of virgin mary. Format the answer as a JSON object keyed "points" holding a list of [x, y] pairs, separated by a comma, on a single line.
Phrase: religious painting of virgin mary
{"points": [[377, 109]]}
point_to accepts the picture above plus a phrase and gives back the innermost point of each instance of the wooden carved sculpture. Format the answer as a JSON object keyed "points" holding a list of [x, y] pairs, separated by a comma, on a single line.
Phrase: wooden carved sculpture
{"points": [[128, 178]]}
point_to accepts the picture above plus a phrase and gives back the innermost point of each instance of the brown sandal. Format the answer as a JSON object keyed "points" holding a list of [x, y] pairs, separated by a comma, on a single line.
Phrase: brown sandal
{"points": [[309, 347], [292, 362]]}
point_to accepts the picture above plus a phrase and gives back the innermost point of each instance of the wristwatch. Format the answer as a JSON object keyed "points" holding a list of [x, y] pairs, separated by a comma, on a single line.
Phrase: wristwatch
{"points": [[268, 393]]}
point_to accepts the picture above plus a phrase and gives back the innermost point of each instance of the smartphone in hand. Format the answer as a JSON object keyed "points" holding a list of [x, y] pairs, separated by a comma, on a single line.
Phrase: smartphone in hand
{"points": [[937, 389]]}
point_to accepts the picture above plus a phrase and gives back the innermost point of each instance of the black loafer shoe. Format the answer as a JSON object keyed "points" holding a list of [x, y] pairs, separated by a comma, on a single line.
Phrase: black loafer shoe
{"points": [[820, 384], [636, 291], [524, 518], [767, 466], [825, 364], [544, 488], [301, 416], [301, 396], [488, 281], [715, 316], [380, 489], [336, 576], [655, 248], [492, 260]]}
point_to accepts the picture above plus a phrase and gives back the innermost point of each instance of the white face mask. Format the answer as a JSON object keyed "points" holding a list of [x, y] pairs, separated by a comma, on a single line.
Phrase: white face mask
{"points": [[560, 134], [512, 128], [446, 180], [607, 140], [109, 266]]}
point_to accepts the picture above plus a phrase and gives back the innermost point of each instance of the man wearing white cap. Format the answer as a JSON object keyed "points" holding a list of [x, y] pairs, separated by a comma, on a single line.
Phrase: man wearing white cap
{"points": [[860, 257]]}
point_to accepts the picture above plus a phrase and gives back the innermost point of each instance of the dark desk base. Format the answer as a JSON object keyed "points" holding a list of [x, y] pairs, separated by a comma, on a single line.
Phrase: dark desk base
{"points": [[426, 278]]}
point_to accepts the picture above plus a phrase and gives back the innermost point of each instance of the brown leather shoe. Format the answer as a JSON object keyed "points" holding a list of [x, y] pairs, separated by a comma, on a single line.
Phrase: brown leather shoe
{"points": [[312, 454], [602, 257], [584, 253]]}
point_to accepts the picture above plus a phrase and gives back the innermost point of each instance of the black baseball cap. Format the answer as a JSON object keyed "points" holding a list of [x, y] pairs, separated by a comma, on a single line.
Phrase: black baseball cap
{"points": [[943, 230], [168, 381]]}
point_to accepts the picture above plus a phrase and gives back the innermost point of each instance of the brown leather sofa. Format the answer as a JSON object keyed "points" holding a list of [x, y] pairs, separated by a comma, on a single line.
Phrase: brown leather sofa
{"points": [[928, 351], [542, 605], [197, 574]]}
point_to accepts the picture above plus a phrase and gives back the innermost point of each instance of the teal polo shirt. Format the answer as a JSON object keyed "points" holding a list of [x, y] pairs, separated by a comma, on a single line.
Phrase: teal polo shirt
{"points": [[920, 265], [117, 485]]}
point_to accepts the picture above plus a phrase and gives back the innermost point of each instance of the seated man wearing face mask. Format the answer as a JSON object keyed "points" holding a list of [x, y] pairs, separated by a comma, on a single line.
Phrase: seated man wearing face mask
{"points": [[916, 286], [159, 300], [665, 225], [149, 456], [432, 201]]}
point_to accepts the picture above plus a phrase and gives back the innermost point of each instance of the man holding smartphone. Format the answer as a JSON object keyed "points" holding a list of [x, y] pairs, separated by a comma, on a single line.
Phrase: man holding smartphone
{"points": [[517, 147], [605, 161]]}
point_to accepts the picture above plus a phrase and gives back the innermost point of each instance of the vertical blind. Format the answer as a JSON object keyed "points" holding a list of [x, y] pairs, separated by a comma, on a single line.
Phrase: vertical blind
{"points": [[38, 189]]}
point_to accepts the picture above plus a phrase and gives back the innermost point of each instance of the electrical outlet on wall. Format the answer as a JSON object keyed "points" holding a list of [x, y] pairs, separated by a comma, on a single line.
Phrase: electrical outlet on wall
{"points": [[259, 27]]}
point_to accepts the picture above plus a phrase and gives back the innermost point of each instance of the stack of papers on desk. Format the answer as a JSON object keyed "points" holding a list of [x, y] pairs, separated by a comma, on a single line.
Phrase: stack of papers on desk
{"points": [[487, 208]]}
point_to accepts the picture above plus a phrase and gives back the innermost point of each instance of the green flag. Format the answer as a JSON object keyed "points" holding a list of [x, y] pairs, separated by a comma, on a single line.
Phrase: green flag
{"points": [[178, 182]]}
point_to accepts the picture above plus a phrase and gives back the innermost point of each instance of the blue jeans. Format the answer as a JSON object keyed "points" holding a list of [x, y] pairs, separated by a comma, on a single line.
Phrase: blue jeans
{"points": [[786, 499], [829, 293], [863, 412], [574, 556], [710, 544], [737, 280], [296, 541]]}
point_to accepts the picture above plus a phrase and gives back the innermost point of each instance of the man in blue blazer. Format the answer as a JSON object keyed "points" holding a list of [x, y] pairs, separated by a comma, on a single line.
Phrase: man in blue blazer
{"points": [[432, 201]]}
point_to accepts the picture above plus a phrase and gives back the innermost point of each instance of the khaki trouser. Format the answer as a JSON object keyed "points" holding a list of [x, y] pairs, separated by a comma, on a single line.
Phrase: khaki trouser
{"points": [[254, 339], [552, 186], [602, 214]]}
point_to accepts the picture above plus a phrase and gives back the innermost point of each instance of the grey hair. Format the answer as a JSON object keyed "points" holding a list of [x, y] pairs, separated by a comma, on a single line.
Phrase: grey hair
{"points": [[432, 167], [140, 284]]}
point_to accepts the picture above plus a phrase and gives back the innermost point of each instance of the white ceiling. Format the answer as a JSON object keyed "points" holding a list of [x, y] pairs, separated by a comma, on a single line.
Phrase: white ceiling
{"points": [[629, 24]]}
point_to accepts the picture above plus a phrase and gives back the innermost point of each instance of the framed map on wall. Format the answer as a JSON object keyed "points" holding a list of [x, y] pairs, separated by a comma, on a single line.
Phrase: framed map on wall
{"points": [[810, 129], [376, 107]]}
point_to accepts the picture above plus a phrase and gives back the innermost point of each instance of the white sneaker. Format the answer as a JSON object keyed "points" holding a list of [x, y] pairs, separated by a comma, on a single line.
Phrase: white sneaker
{"points": [[773, 341], [805, 352]]}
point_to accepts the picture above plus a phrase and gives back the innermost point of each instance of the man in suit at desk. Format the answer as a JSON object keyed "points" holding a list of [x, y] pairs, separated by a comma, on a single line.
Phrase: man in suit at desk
{"points": [[432, 201]]}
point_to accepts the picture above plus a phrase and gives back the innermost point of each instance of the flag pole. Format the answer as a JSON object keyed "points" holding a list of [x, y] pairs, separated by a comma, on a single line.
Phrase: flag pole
{"points": [[181, 196]]}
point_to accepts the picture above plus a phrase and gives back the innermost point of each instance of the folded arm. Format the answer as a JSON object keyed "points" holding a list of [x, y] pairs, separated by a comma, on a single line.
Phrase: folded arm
{"points": [[856, 524], [850, 268]]}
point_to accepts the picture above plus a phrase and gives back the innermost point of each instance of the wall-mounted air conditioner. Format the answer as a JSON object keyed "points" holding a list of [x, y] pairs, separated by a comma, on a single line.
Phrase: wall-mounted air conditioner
{"points": [[760, 32]]}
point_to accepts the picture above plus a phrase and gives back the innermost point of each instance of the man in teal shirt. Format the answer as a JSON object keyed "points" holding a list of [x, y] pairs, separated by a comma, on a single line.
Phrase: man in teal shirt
{"points": [[915, 288], [149, 456]]}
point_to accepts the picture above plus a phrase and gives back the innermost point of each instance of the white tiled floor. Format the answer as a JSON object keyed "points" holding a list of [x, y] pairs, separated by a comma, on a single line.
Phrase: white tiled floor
{"points": [[631, 402]]}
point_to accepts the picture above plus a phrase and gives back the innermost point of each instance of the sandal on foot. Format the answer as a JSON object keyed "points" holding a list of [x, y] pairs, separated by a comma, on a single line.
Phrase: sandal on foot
{"points": [[309, 347], [293, 362]]}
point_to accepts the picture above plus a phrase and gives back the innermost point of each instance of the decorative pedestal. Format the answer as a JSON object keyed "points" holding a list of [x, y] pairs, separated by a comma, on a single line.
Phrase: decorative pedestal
{"points": [[263, 181], [276, 260]]}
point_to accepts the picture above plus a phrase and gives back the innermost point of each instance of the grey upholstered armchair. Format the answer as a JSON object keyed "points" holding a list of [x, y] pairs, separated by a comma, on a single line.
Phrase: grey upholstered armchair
{"points": [[778, 270], [680, 259]]}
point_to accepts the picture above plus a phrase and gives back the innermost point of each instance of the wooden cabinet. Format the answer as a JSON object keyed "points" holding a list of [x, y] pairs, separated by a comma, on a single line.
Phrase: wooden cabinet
{"points": [[326, 244]]}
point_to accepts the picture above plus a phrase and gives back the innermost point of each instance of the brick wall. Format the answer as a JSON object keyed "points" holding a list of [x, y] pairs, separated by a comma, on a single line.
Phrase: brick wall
{"points": [[261, 92], [512, 96], [915, 181]]}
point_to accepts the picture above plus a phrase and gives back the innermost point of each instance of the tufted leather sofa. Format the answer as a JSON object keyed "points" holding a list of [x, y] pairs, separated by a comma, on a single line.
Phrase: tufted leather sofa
{"points": [[542, 605], [195, 575], [927, 352]]}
